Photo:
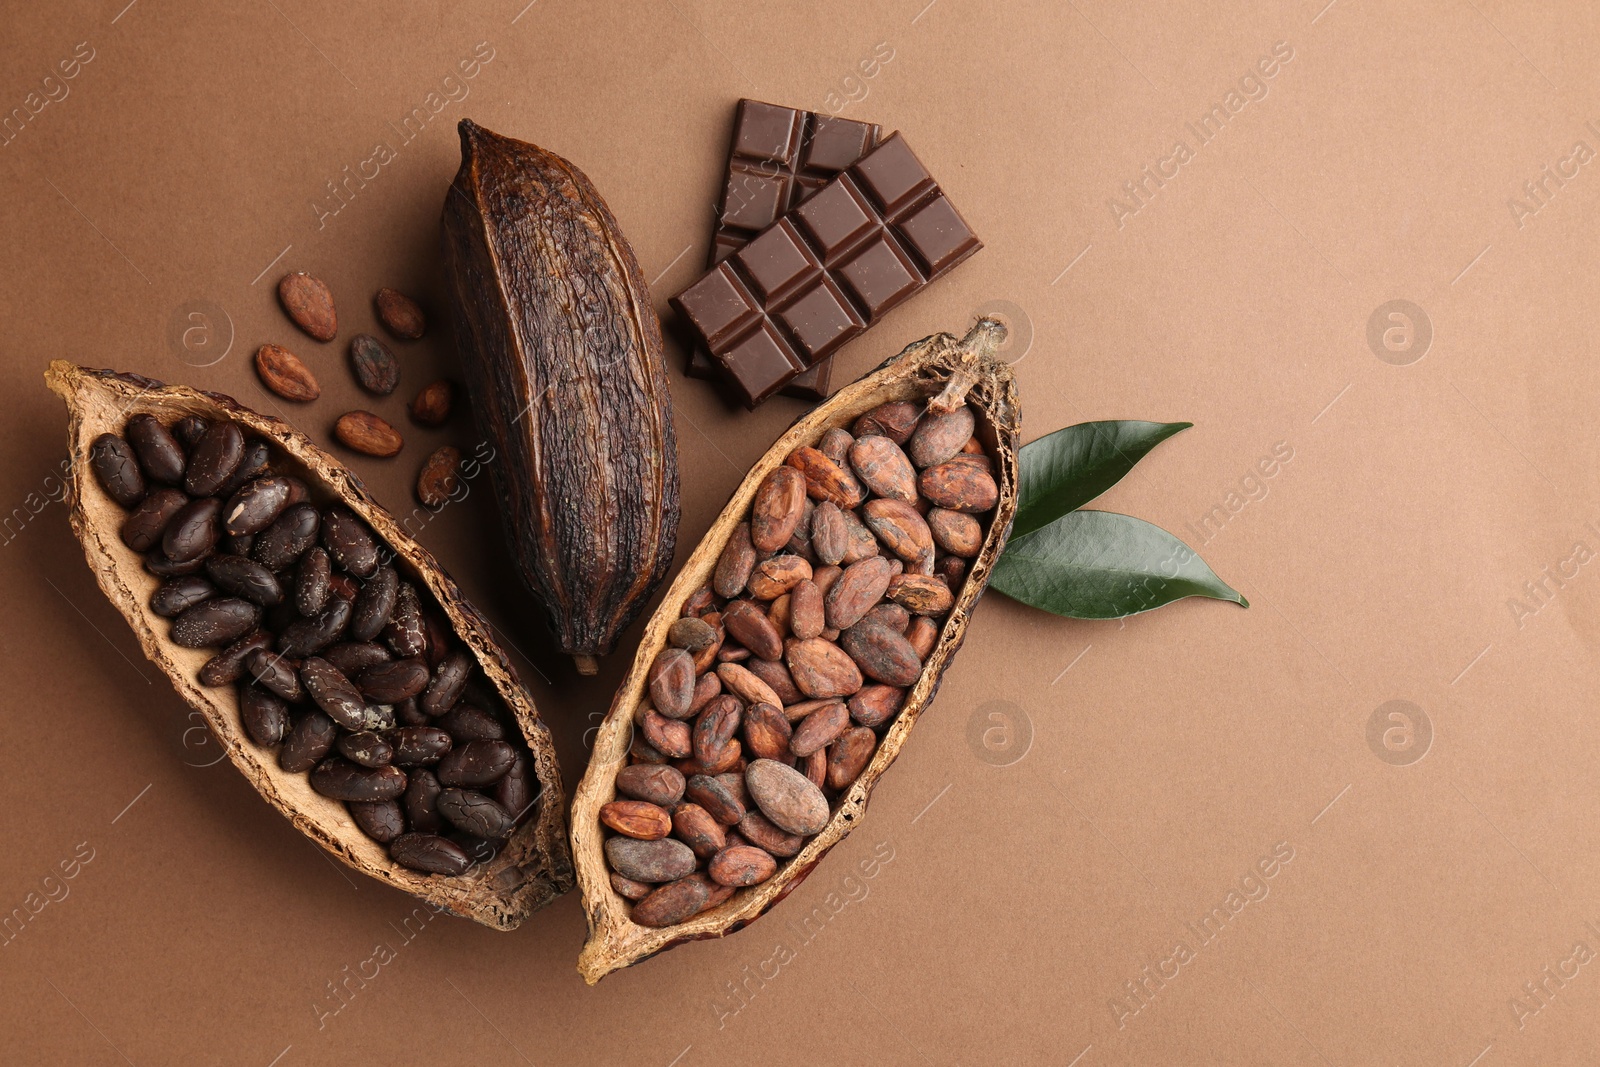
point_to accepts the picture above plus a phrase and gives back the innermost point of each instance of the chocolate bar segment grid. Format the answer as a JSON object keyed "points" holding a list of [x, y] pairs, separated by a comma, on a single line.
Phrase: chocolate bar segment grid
{"points": [[778, 157], [822, 274]]}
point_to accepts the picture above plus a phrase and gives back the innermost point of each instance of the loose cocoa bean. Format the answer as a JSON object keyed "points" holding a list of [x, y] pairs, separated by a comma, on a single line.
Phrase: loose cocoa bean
{"points": [[400, 315], [283, 372], [309, 304], [376, 369], [440, 476], [431, 406], [369, 434]]}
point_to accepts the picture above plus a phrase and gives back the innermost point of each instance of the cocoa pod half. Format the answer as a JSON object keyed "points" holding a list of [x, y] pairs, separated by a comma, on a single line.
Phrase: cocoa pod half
{"points": [[562, 356], [937, 373], [531, 868]]}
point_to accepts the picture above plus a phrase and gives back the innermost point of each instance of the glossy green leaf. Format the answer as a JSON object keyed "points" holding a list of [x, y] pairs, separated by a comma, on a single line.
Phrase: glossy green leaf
{"points": [[1101, 565], [1065, 470]]}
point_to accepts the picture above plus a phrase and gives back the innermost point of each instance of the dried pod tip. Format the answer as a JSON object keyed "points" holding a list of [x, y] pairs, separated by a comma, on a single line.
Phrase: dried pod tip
{"points": [[587, 665], [975, 349]]}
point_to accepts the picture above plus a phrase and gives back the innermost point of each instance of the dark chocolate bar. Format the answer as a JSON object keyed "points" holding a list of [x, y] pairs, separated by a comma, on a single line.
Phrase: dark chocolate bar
{"points": [[778, 157], [874, 235]]}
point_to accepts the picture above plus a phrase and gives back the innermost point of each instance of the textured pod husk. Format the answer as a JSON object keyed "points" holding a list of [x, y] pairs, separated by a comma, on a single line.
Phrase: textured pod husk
{"points": [[532, 869], [937, 368], [561, 353]]}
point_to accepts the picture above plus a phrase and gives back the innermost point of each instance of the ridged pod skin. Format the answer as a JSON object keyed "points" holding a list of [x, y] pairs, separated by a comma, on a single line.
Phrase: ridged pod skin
{"points": [[531, 869], [561, 353], [937, 373]]}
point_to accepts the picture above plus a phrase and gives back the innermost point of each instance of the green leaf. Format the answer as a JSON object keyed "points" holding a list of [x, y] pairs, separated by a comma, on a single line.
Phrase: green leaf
{"points": [[1063, 471], [1101, 565]]}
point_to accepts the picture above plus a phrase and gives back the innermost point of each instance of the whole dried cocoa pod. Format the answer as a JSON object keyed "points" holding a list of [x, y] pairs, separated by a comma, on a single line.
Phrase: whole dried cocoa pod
{"points": [[562, 356], [532, 866], [938, 373]]}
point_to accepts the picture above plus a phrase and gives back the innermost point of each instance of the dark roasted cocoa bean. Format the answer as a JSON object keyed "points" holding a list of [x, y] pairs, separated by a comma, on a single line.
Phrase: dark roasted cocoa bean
{"points": [[290, 534], [658, 783], [467, 723], [188, 431], [214, 459], [276, 673], [672, 683], [406, 633], [158, 451], [246, 578], [417, 745], [353, 657], [311, 588], [374, 605], [176, 595], [476, 763], [213, 622], [429, 853], [349, 542], [882, 654], [741, 865], [475, 814], [394, 681], [738, 559], [192, 533], [228, 666], [340, 779], [518, 790], [672, 904], [664, 860], [307, 636], [256, 506], [406, 713], [142, 529], [265, 715], [116, 468], [695, 827], [819, 729], [381, 820], [444, 689], [421, 802], [310, 738], [367, 748], [256, 462], [376, 369], [786, 797], [338, 696]]}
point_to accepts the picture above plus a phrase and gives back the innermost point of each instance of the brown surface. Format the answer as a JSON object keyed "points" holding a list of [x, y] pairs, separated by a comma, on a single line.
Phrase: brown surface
{"points": [[1163, 759]]}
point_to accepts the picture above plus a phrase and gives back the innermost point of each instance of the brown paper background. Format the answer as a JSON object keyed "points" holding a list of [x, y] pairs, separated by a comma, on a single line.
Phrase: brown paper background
{"points": [[1080, 791]]}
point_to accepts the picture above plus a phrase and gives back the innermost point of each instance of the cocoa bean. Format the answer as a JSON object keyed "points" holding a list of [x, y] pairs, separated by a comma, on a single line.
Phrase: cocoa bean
{"points": [[339, 779], [364, 432], [290, 534], [213, 622], [714, 728], [895, 420], [884, 468], [818, 730], [215, 457], [375, 368], [671, 904], [400, 315], [876, 704], [430, 854], [860, 587], [381, 820], [807, 615], [476, 763], [746, 686], [159, 455], [900, 528], [285, 374], [882, 654], [116, 468], [634, 818], [440, 476], [830, 537], [776, 576], [741, 865], [706, 688], [959, 486], [670, 737], [255, 507], [338, 696], [766, 732], [777, 508], [309, 304], [192, 533], [664, 860], [393, 681], [825, 479], [367, 749], [418, 745], [274, 672], [849, 755], [940, 436], [374, 606], [310, 738], [265, 715], [672, 683], [228, 666], [445, 687], [422, 802], [659, 783], [786, 797], [835, 443], [142, 529], [956, 532], [776, 675], [923, 634], [691, 634], [759, 831], [717, 797], [246, 578], [628, 889], [431, 406], [738, 559], [176, 595], [921, 595], [695, 827], [750, 626]]}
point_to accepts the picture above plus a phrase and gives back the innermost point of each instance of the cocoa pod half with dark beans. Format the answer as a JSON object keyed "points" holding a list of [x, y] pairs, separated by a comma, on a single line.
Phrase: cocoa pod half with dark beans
{"points": [[529, 869], [562, 356], [938, 374]]}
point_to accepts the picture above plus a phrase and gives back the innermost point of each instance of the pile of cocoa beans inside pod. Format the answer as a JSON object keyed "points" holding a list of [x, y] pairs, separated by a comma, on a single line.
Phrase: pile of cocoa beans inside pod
{"points": [[781, 676], [343, 664]]}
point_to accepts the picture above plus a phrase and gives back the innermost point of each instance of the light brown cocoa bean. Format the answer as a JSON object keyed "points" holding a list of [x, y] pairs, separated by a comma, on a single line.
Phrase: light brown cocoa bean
{"points": [[884, 468], [778, 613], [835, 443], [671, 738], [671, 904], [638, 819], [956, 532], [923, 634], [891, 615], [656, 783], [825, 479], [766, 732], [730, 758], [694, 826], [759, 831], [746, 686], [431, 406], [749, 625], [849, 756], [706, 657], [824, 577], [309, 304], [900, 528], [440, 476], [830, 538], [920, 595], [951, 570], [718, 797], [859, 541], [698, 602], [285, 374], [895, 420], [860, 587], [738, 559], [959, 486], [795, 712], [662, 860], [691, 634], [776, 511], [714, 728], [628, 889], [706, 688], [807, 616], [400, 315], [672, 683], [786, 797], [776, 675], [940, 436], [741, 865], [815, 767], [882, 654], [818, 730], [364, 432], [821, 668], [776, 576], [876, 704]]}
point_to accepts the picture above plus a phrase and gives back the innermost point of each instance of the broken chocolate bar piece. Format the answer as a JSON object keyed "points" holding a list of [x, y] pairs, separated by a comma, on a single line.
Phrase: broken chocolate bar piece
{"points": [[820, 275]]}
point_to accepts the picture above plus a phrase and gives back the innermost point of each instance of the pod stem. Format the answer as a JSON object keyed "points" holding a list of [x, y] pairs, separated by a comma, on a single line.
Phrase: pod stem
{"points": [[586, 664], [974, 350]]}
